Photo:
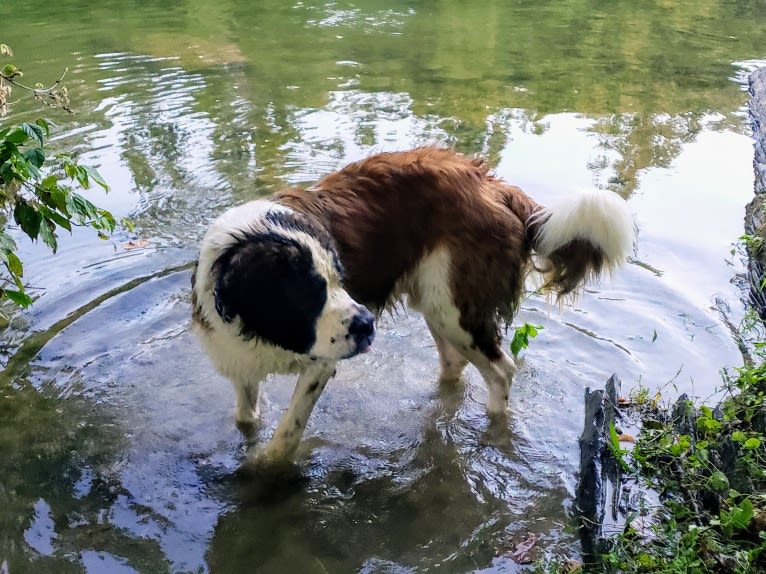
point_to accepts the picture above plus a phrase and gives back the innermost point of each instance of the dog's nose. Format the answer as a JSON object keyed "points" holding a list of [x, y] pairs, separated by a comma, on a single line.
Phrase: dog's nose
{"points": [[362, 325], [362, 328]]}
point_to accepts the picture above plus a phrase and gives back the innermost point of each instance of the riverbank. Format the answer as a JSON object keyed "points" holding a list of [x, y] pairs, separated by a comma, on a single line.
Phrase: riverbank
{"points": [[688, 492], [693, 484]]}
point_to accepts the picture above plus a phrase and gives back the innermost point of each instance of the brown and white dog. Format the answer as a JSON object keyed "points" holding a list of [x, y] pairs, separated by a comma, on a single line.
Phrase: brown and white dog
{"points": [[286, 284]]}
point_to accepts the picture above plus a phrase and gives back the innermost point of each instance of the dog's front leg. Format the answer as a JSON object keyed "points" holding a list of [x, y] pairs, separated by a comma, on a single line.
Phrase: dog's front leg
{"points": [[289, 432], [247, 402]]}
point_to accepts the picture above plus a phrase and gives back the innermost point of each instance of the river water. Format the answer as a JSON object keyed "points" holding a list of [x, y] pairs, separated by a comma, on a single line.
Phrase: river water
{"points": [[118, 447]]}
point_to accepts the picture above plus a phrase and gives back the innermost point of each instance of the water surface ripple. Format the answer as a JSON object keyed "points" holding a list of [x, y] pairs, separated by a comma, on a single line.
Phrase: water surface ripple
{"points": [[117, 437]]}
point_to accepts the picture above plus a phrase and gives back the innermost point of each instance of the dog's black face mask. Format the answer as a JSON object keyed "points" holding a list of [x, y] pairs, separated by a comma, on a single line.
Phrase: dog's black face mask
{"points": [[270, 283]]}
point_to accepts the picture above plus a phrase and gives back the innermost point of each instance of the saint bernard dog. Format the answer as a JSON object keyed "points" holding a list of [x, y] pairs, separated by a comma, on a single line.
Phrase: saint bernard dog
{"points": [[293, 283]]}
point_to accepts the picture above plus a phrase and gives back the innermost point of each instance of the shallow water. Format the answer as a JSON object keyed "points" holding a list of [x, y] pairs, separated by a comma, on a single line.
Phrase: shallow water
{"points": [[117, 437]]}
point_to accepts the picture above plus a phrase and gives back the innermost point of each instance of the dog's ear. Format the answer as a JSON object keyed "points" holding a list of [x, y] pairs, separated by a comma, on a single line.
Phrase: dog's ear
{"points": [[269, 283]]}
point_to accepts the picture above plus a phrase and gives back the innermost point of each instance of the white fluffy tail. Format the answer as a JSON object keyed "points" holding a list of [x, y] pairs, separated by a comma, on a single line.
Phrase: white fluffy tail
{"points": [[580, 237]]}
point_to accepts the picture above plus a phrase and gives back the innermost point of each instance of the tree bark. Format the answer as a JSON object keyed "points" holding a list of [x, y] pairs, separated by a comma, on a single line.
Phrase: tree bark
{"points": [[755, 211]]}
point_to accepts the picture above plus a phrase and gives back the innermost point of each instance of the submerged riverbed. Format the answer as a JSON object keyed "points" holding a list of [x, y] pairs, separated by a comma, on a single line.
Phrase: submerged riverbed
{"points": [[118, 446]]}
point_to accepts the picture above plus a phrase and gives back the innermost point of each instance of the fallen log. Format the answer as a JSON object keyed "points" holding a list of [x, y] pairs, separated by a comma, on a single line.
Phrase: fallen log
{"points": [[599, 475]]}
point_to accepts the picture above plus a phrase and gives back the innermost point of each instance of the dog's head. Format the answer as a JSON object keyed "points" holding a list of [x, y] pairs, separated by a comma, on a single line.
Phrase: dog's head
{"points": [[282, 284]]}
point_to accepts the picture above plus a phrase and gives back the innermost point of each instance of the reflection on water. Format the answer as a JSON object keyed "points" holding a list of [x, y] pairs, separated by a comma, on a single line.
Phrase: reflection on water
{"points": [[118, 444]]}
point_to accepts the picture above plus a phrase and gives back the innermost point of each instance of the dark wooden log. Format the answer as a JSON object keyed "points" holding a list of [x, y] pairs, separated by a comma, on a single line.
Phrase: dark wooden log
{"points": [[599, 474]]}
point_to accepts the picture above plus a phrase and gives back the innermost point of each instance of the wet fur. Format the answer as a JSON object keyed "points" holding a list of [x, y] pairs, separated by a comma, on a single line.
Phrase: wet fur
{"points": [[437, 229], [267, 298]]}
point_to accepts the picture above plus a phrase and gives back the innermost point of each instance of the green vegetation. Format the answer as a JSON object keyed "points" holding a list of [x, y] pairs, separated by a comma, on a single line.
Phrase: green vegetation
{"points": [[708, 467], [38, 192], [753, 243], [692, 484], [521, 337]]}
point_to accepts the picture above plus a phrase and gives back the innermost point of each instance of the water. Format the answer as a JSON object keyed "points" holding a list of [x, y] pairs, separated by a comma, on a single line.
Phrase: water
{"points": [[117, 437]]}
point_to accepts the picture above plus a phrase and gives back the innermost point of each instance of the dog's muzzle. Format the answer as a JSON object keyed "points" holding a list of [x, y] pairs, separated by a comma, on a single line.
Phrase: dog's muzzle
{"points": [[362, 330]]}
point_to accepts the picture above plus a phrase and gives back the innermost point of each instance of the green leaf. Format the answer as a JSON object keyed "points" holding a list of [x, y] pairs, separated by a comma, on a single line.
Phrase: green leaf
{"points": [[11, 70], [738, 436], [742, 515], [614, 447], [35, 156], [31, 171], [6, 242], [6, 172], [128, 224], [50, 182], [521, 337], [520, 341], [82, 176], [55, 217], [48, 235], [34, 131], [14, 264], [108, 219], [18, 136], [682, 445], [96, 176], [706, 423], [19, 297], [80, 208], [613, 436], [59, 195], [718, 481], [70, 170], [45, 125], [752, 443], [28, 218]]}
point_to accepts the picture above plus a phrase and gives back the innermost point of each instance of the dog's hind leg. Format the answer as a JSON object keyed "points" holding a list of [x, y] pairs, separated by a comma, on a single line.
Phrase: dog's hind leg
{"points": [[467, 330], [496, 367], [289, 431], [451, 361], [498, 374], [480, 346]]}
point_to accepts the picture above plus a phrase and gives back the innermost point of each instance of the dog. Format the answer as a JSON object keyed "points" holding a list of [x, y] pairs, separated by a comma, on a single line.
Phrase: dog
{"points": [[293, 283]]}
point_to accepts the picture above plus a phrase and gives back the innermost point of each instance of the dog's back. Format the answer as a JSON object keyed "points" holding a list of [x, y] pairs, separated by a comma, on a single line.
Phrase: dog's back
{"points": [[388, 212], [438, 227]]}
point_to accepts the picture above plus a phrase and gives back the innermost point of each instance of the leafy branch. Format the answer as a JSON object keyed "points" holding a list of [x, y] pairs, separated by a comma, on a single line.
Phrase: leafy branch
{"points": [[521, 337], [56, 95], [39, 194]]}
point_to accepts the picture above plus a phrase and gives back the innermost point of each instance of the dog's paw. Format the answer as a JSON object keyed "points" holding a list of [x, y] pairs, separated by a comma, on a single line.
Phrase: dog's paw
{"points": [[246, 415], [249, 429], [270, 482], [266, 460]]}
